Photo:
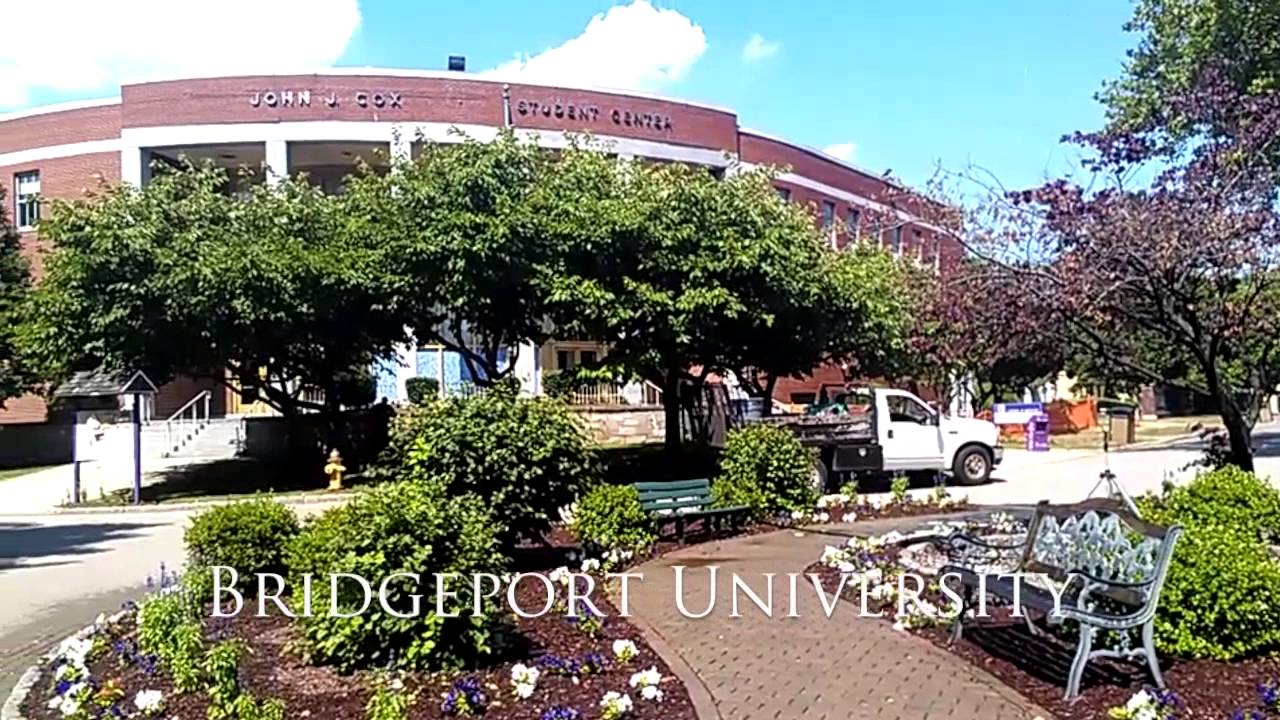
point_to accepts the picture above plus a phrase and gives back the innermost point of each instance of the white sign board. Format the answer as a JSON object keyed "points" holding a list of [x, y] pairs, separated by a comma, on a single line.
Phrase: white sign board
{"points": [[1015, 413], [90, 436]]}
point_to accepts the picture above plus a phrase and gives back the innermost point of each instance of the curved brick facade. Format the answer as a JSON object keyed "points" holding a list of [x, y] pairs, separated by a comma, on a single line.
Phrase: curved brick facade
{"points": [[76, 147]]}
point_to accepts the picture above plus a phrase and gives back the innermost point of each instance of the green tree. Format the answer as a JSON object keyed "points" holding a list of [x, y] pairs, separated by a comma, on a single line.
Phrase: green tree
{"points": [[14, 283], [266, 289], [1180, 40], [480, 240]]}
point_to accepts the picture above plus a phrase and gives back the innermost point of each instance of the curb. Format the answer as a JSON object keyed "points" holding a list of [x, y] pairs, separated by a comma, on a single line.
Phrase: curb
{"points": [[182, 507], [12, 708], [704, 706]]}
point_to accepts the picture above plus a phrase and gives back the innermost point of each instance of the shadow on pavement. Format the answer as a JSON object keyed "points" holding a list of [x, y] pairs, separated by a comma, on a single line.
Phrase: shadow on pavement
{"points": [[25, 541]]}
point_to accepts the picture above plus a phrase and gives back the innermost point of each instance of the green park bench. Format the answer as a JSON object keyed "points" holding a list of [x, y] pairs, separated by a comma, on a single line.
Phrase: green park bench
{"points": [[681, 502]]}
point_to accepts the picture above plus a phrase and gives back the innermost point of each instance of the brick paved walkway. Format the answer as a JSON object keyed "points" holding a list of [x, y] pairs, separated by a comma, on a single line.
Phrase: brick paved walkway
{"points": [[805, 668]]}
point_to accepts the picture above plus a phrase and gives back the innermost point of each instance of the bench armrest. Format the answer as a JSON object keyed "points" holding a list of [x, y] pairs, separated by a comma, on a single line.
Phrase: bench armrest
{"points": [[1093, 580]]}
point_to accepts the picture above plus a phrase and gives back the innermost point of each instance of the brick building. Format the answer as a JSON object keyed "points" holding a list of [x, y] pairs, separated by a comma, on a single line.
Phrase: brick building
{"points": [[322, 123]]}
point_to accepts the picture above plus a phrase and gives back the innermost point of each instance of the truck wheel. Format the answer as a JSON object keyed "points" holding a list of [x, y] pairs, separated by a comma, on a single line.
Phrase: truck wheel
{"points": [[972, 465]]}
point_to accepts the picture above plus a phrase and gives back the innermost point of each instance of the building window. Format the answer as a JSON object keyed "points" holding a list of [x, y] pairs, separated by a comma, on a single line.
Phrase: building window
{"points": [[564, 360], [26, 192], [829, 221], [918, 238], [895, 241], [851, 218], [587, 357], [784, 193], [937, 254]]}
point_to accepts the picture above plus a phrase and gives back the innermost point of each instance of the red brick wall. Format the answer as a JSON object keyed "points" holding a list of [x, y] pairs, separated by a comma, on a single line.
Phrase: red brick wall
{"points": [[407, 99], [60, 128], [61, 178]]}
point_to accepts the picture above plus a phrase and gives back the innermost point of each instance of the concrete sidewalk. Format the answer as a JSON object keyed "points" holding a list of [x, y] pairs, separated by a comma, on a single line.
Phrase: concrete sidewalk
{"points": [[843, 668]]}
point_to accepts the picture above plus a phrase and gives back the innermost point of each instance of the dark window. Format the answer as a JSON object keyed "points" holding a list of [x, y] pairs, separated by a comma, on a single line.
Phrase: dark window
{"points": [[586, 357], [895, 241], [564, 359], [804, 398], [26, 195], [918, 238], [784, 193], [851, 220], [828, 213]]}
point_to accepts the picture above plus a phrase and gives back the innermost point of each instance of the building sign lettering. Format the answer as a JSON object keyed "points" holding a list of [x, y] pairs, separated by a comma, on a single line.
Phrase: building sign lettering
{"points": [[303, 98], [592, 114]]}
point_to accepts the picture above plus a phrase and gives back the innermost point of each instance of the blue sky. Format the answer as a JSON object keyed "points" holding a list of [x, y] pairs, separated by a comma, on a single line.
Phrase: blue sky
{"points": [[891, 84]]}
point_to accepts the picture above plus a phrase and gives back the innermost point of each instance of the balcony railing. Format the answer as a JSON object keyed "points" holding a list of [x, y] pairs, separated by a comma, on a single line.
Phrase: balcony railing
{"points": [[612, 394]]}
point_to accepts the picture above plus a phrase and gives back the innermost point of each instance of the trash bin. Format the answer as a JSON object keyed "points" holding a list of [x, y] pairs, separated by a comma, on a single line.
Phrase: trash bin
{"points": [[1121, 424], [1038, 433]]}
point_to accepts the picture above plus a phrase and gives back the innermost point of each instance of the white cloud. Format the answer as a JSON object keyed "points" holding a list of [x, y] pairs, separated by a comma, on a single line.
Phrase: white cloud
{"points": [[629, 47], [757, 48], [87, 47], [841, 151]]}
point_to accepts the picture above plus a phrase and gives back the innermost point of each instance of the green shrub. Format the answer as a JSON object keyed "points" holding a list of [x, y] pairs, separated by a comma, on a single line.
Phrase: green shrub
{"points": [[1222, 597], [1229, 497], [422, 389], [767, 469], [740, 490], [610, 516], [250, 536], [525, 457], [405, 527]]}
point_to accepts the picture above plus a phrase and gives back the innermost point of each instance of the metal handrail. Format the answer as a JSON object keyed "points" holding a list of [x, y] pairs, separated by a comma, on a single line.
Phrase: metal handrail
{"points": [[189, 419]]}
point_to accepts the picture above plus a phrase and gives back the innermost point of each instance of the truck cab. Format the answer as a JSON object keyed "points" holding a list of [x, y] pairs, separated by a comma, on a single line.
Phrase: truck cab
{"points": [[914, 436], [885, 430]]}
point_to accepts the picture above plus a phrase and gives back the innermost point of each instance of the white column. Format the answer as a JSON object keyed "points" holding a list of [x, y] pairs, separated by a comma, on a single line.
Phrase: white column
{"points": [[406, 367], [135, 165], [277, 160], [528, 368]]}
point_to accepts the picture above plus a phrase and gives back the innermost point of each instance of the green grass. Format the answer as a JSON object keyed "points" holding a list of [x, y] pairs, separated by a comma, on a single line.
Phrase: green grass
{"points": [[10, 473]]}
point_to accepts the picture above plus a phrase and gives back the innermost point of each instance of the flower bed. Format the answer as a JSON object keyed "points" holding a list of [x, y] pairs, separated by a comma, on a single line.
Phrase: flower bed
{"points": [[549, 669], [1036, 666]]}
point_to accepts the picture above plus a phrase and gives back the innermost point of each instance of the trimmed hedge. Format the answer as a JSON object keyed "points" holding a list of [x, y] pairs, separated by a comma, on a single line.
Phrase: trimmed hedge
{"points": [[249, 535], [525, 457], [404, 527], [610, 517], [767, 469]]}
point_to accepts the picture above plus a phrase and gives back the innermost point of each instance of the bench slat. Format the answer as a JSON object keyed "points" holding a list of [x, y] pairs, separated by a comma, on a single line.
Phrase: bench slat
{"points": [[702, 483], [673, 494], [691, 502]]}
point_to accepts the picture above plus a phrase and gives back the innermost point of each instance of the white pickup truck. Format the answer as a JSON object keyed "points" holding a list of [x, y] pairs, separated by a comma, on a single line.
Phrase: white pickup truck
{"points": [[885, 431]]}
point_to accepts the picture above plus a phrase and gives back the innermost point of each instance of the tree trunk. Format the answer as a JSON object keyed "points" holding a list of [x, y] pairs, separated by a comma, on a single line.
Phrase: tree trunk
{"points": [[1239, 433], [766, 408], [671, 410]]}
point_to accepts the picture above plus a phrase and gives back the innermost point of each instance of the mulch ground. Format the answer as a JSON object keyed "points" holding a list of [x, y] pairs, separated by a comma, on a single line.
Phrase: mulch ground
{"points": [[275, 671], [1037, 668]]}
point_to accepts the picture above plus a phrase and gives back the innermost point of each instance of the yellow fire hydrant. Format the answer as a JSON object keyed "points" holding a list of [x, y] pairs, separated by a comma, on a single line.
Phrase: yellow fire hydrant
{"points": [[334, 470]]}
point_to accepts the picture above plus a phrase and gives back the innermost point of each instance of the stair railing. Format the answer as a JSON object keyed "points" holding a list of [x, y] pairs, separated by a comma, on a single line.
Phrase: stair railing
{"points": [[187, 422]]}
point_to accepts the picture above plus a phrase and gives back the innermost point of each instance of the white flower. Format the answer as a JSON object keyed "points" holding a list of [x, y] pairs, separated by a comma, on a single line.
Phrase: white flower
{"points": [[624, 650], [100, 621], [561, 575], [651, 692], [65, 670], [524, 690], [797, 514], [615, 704], [396, 684], [522, 674], [846, 567], [821, 517], [149, 701], [849, 517], [1147, 713], [831, 555], [568, 513], [590, 565], [646, 678], [1139, 700], [69, 705]]}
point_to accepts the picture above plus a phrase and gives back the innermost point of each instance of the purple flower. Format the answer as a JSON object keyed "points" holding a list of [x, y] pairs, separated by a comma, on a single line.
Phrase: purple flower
{"points": [[1269, 694], [560, 712], [466, 697]]}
